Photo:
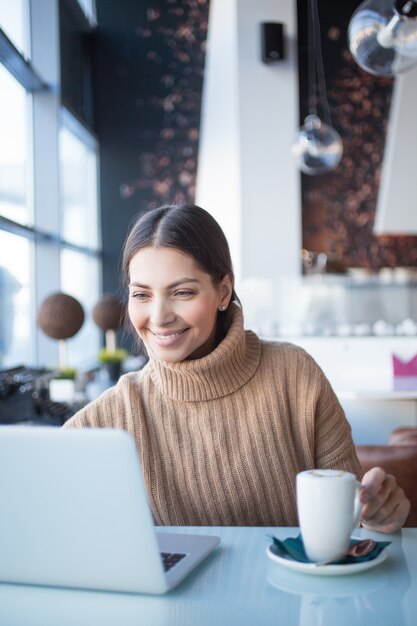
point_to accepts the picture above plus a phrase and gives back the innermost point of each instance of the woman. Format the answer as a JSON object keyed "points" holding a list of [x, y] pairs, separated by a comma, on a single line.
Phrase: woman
{"points": [[222, 420]]}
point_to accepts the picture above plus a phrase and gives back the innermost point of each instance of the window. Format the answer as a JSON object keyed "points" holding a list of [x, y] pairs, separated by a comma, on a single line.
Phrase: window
{"points": [[80, 267], [78, 179], [89, 8], [14, 148], [80, 277], [16, 346], [49, 221], [14, 22]]}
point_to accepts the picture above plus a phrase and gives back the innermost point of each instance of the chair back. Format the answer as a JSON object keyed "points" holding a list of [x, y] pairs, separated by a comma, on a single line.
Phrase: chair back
{"points": [[404, 436]]}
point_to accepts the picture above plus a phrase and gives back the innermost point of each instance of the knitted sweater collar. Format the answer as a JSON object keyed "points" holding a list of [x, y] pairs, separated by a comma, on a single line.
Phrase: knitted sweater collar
{"points": [[231, 364]]}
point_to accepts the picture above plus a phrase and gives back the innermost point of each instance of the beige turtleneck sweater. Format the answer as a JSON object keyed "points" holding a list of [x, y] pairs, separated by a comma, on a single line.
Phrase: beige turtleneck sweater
{"points": [[221, 438]]}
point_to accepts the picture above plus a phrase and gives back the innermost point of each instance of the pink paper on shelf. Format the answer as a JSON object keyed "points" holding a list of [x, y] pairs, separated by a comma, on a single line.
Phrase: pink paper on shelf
{"points": [[404, 368], [405, 374]]}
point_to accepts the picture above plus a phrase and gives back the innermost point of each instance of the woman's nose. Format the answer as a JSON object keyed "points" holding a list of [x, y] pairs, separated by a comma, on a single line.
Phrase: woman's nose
{"points": [[162, 312]]}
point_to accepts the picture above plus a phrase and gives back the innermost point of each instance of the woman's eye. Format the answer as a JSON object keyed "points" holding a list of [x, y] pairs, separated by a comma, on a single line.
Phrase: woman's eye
{"points": [[184, 293], [139, 295]]}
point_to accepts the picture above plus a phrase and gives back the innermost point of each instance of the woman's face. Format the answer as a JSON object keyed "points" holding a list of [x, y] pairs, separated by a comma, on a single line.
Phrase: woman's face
{"points": [[173, 305]]}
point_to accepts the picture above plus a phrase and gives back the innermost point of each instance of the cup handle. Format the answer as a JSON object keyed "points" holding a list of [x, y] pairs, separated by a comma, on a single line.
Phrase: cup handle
{"points": [[358, 506]]}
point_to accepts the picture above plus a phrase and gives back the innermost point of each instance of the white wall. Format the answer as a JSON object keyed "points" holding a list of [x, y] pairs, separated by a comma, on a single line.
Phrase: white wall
{"points": [[397, 199], [246, 177], [361, 372]]}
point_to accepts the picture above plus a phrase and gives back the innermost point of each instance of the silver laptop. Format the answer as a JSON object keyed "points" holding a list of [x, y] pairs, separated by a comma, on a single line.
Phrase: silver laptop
{"points": [[74, 513]]}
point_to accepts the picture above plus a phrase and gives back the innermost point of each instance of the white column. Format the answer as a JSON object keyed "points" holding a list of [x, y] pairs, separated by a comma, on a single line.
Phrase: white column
{"points": [[218, 175], [246, 175]]}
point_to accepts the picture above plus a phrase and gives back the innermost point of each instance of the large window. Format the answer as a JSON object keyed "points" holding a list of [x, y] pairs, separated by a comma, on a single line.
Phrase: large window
{"points": [[80, 266], [80, 277], [78, 184], [17, 343], [15, 23], [14, 149], [16, 346], [49, 220]]}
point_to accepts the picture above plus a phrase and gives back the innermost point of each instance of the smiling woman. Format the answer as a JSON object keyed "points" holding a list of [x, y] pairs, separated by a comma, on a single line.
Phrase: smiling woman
{"points": [[173, 305], [176, 243], [223, 421]]}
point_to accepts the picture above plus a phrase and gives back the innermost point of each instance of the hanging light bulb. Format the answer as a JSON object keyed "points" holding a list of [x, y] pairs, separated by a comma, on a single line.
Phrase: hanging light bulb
{"points": [[318, 147], [382, 36]]}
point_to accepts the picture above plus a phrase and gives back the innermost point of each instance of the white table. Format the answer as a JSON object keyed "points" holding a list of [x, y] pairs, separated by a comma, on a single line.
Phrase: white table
{"points": [[239, 585]]}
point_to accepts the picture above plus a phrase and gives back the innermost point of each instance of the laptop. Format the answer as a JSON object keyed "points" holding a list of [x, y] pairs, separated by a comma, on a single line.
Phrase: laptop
{"points": [[74, 513]]}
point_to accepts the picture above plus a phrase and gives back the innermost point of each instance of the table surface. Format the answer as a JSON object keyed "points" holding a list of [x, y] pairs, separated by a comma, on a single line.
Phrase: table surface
{"points": [[376, 394], [238, 584]]}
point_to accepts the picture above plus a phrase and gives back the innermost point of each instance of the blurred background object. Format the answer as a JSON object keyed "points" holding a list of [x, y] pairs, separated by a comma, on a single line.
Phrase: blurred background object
{"points": [[60, 316], [108, 314], [382, 36], [318, 147], [9, 285]]}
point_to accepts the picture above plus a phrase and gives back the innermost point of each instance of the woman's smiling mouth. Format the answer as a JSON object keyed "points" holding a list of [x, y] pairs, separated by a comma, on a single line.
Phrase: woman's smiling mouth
{"points": [[168, 338]]}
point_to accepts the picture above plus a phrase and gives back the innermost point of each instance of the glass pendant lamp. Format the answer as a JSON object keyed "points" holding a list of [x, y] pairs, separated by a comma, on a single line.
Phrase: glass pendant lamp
{"points": [[317, 148], [382, 36]]}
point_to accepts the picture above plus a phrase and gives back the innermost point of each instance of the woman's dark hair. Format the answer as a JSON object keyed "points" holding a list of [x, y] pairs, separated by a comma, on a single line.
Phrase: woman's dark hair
{"points": [[193, 231]]}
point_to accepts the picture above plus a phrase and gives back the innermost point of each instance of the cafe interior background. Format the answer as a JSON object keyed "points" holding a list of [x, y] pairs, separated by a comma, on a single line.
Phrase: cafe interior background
{"points": [[110, 107]]}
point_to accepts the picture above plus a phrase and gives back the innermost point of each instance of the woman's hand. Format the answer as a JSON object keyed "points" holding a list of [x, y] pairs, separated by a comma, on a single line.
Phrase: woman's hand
{"points": [[385, 505]]}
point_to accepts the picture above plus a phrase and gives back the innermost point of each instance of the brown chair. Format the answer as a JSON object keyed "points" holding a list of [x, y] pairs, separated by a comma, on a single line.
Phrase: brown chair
{"points": [[401, 462], [403, 436]]}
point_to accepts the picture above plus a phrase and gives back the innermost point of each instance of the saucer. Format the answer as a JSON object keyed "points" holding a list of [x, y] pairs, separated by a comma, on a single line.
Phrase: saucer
{"points": [[333, 569], [332, 587]]}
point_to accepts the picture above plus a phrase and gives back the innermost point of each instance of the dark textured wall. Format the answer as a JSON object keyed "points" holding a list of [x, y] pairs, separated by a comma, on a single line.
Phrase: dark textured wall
{"points": [[149, 66], [76, 53], [339, 208], [149, 62]]}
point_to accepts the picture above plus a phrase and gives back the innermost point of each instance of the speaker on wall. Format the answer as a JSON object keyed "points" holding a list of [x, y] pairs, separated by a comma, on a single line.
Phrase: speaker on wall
{"points": [[272, 40]]}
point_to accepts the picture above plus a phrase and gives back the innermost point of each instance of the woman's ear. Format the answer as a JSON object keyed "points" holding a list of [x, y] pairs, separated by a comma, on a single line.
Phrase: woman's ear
{"points": [[225, 290]]}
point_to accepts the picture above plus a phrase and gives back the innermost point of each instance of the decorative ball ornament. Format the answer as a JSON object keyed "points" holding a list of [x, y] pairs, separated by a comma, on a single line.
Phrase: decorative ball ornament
{"points": [[318, 147], [108, 313], [60, 316]]}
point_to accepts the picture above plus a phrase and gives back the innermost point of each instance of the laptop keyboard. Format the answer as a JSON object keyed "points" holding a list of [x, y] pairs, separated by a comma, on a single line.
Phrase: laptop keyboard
{"points": [[169, 559]]}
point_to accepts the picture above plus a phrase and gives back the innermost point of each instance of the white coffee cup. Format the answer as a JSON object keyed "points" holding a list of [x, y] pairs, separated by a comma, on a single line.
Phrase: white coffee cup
{"points": [[328, 511]]}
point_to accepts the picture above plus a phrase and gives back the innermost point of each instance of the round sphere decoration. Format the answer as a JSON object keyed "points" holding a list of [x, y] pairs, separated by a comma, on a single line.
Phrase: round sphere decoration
{"points": [[318, 147], [60, 316], [108, 313], [382, 36]]}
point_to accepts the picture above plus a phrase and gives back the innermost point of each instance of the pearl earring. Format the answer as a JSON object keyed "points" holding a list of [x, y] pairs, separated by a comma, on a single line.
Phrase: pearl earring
{"points": [[222, 308]]}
